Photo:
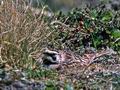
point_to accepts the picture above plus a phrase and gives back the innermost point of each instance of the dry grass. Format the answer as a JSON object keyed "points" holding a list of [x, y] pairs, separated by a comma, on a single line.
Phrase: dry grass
{"points": [[22, 33]]}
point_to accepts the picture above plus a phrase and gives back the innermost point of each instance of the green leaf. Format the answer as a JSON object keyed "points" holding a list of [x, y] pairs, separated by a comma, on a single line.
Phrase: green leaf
{"points": [[107, 16], [94, 13], [69, 87], [116, 34]]}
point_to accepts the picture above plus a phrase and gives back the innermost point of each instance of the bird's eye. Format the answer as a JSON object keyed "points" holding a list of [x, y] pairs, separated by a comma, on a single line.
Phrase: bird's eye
{"points": [[54, 57]]}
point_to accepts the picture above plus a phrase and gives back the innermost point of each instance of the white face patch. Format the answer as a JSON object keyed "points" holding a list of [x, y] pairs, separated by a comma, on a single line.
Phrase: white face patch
{"points": [[58, 58]]}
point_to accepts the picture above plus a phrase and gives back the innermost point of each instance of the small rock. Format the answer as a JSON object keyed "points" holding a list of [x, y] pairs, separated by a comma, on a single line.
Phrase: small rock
{"points": [[38, 86], [25, 81], [19, 84]]}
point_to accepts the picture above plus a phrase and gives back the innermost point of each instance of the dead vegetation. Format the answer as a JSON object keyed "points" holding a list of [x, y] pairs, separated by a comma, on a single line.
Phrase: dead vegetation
{"points": [[22, 33]]}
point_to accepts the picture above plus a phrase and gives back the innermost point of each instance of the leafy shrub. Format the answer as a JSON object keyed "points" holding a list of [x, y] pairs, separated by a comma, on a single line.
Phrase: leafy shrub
{"points": [[89, 28]]}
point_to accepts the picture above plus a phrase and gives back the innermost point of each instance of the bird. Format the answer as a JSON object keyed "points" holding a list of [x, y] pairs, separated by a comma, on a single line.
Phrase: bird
{"points": [[56, 59], [59, 58]]}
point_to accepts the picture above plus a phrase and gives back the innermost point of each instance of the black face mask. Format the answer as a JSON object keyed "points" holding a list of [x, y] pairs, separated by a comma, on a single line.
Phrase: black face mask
{"points": [[49, 58]]}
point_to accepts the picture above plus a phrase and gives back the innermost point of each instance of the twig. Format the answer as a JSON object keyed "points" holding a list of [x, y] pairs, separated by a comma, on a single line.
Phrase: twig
{"points": [[58, 22]]}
